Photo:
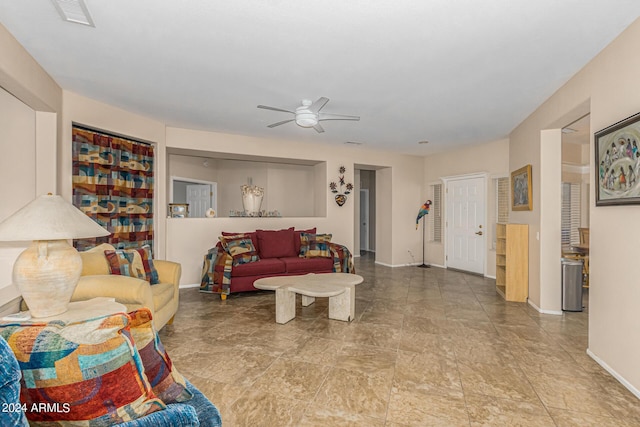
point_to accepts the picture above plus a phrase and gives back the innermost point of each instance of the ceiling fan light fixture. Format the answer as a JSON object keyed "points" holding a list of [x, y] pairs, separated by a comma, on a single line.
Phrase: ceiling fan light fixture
{"points": [[306, 119], [308, 115]]}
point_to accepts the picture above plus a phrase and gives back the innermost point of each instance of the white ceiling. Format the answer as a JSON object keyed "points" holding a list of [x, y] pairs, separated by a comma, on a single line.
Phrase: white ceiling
{"points": [[452, 72]]}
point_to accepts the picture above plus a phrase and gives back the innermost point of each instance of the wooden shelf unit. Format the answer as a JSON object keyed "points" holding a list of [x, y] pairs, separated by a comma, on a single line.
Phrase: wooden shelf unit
{"points": [[512, 261]]}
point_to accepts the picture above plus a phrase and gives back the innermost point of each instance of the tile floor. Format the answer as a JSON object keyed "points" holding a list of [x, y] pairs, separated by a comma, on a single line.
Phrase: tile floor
{"points": [[429, 347]]}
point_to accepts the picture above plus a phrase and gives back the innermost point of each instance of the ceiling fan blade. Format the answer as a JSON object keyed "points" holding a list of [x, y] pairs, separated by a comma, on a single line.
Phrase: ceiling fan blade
{"points": [[325, 116], [280, 123], [317, 106], [266, 107], [318, 128]]}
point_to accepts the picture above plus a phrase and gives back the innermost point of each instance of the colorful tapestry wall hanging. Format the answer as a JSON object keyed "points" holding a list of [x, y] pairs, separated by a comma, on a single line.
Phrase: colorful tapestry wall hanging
{"points": [[113, 184]]}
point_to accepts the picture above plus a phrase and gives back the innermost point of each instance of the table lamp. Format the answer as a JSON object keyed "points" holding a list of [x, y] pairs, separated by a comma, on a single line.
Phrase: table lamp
{"points": [[47, 272]]}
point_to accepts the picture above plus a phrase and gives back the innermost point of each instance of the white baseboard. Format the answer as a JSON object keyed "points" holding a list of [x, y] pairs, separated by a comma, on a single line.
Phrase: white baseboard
{"points": [[539, 310], [389, 265], [490, 277], [190, 285], [411, 264], [613, 373]]}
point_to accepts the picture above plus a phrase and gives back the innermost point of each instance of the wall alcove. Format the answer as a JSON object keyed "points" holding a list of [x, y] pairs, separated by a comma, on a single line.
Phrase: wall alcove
{"points": [[293, 187]]}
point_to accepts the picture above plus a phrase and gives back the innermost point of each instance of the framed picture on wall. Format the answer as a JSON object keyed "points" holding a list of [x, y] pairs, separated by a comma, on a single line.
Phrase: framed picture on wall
{"points": [[617, 161], [521, 199]]}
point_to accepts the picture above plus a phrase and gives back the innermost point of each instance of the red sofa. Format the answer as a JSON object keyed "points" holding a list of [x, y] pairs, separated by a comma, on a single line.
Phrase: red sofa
{"points": [[279, 253]]}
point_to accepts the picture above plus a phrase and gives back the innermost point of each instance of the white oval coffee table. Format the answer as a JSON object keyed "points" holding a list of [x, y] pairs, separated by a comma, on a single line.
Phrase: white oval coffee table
{"points": [[338, 287]]}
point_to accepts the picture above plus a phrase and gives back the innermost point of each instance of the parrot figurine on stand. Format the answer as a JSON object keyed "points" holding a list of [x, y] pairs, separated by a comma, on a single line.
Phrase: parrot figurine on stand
{"points": [[424, 210]]}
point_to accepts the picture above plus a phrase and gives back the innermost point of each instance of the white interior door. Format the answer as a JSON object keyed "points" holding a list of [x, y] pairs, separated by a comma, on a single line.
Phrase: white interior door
{"points": [[199, 199], [466, 228], [364, 219]]}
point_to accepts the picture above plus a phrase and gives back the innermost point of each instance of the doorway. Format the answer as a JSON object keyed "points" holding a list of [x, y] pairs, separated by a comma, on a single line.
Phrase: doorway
{"points": [[364, 219], [366, 211], [199, 195], [466, 226], [575, 157]]}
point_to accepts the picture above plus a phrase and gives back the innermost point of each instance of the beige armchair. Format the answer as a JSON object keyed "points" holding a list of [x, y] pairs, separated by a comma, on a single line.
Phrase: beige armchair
{"points": [[161, 299]]}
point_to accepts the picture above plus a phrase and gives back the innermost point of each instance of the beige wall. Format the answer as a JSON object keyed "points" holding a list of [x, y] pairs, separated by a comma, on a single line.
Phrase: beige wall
{"points": [[385, 184], [191, 167], [610, 93], [29, 105], [23, 77], [572, 153], [18, 183], [288, 188], [491, 158]]}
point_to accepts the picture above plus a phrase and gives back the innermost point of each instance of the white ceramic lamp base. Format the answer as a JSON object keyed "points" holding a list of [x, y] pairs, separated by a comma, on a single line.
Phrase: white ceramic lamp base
{"points": [[47, 274]]}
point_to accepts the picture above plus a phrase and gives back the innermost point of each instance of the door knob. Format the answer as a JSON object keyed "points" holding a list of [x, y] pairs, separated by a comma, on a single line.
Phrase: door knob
{"points": [[479, 233]]}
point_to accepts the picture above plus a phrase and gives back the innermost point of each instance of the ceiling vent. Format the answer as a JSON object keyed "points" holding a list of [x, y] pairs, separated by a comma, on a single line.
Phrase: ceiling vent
{"points": [[353, 143], [74, 11]]}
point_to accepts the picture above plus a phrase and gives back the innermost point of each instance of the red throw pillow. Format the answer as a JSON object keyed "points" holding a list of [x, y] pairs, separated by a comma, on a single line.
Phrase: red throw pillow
{"points": [[276, 243], [296, 239]]}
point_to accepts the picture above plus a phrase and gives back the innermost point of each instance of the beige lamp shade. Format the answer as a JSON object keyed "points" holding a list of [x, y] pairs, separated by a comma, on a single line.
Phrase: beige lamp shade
{"points": [[49, 217], [47, 272]]}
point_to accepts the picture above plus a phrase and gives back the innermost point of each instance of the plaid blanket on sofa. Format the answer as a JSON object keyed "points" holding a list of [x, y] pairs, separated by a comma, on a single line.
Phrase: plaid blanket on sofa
{"points": [[342, 259], [216, 271], [217, 266]]}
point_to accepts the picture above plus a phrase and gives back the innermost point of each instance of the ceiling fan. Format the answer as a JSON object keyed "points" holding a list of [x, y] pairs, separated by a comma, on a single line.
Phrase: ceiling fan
{"points": [[308, 115]]}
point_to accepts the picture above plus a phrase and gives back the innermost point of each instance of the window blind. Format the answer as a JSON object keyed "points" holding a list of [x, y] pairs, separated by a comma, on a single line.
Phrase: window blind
{"points": [[502, 199], [570, 214], [501, 212]]}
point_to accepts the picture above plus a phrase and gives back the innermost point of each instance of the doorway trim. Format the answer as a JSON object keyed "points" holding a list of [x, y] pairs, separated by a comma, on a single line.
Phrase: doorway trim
{"points": [[364, 216], [214, 188], [447, 180]]}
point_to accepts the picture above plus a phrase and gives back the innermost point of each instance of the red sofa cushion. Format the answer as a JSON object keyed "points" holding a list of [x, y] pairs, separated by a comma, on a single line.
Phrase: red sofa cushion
{"points": [[265, 266], [299, 265], [276, 243], [252, 234], [296, 239]]}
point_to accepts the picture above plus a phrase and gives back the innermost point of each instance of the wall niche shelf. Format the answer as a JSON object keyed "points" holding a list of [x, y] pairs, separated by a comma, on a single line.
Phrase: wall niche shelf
{"points": [[292, 187]]}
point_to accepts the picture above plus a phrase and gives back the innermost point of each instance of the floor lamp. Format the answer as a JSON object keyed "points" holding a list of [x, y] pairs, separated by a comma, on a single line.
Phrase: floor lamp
{"points": [[424, 210]]}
